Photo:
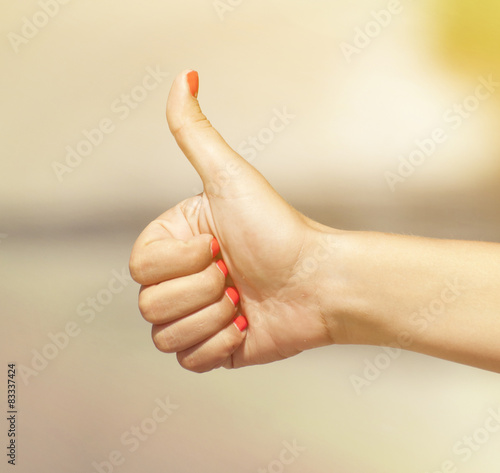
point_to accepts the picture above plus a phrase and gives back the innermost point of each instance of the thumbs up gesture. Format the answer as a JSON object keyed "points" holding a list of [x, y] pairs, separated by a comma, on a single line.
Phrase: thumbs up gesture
{"points": [[230, 277]]}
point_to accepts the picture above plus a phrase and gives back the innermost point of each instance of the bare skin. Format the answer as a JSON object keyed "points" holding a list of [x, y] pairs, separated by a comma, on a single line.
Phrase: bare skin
{"points": [[301, 284]]}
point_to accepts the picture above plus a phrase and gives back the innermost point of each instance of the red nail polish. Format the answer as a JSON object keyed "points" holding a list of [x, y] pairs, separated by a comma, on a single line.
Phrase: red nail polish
{"points": [[222, 266], [214, 246], [241, 322], [232, 293], [194, 83]]}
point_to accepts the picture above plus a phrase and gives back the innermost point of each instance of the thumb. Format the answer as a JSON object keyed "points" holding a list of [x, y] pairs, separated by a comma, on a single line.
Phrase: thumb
{"points": [[214, 160]]}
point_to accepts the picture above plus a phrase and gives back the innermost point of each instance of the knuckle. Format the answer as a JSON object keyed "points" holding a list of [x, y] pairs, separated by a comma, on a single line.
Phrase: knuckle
{"points": [[219, 283], [136, 267], [166, 340], [195, 258], [184, 127], [191, 362], [213, 284], [147, 307], [231, 343]]}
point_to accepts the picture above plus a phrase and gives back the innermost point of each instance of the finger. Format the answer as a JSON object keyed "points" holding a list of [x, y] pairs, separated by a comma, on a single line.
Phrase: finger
{"points": [[215, 161], [156, 257], [176, 298], [215, 351], [194, 328]]}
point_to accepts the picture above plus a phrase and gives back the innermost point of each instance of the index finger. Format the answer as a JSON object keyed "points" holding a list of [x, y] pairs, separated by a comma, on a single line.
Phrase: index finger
{"points": [[165, 250]]}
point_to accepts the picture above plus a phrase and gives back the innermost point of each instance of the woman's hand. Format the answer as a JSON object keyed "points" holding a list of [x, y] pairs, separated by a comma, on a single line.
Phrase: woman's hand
{"points": [[271, 253], [301, 285]]}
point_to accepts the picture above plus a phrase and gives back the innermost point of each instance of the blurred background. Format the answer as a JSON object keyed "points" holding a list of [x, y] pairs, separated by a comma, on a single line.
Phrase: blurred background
{"points": [[394, 119]]}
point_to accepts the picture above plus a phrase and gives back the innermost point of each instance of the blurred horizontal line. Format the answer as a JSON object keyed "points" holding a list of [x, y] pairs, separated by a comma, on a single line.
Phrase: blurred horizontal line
{"points": [[457, 216]]}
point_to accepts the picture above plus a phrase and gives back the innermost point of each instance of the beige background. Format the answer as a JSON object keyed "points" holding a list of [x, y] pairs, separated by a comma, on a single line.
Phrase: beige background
{"points": [[60, 241]]}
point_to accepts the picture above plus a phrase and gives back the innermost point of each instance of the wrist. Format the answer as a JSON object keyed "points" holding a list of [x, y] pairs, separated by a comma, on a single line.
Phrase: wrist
{"points": [[347, 300]]}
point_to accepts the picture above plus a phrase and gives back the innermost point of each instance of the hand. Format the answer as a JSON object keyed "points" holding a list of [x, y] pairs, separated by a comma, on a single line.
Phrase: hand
{"points": [[271, 252]]}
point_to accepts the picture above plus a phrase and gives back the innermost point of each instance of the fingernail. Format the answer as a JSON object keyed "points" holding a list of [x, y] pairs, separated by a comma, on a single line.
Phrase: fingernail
{"points": [[214, 246], [222, 266], [241, 322], [232, 293], [194, 83]]}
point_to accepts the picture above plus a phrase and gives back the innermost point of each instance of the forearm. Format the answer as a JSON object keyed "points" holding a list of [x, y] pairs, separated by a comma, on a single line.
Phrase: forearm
{"points": [[437, 297]]}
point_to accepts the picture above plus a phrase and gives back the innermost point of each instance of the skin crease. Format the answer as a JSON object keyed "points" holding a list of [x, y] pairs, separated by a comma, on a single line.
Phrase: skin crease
{"points": [[301, 284]]}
